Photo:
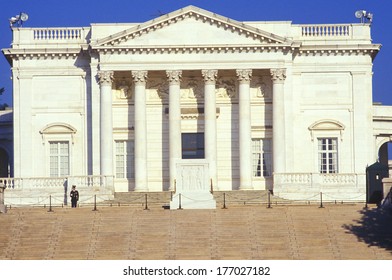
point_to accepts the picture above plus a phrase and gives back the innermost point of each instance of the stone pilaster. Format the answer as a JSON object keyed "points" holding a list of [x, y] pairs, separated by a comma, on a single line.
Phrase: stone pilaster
{"points": [[105, 79], [278, 77], [245, 133]]}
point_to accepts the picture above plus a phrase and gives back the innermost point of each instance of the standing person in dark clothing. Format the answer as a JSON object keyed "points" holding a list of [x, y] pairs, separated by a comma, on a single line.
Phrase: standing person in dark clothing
{"points": [[74, 196]]}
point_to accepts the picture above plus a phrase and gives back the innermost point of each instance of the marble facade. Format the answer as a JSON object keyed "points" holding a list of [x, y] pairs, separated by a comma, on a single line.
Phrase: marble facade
{"points": [[140, 87]]}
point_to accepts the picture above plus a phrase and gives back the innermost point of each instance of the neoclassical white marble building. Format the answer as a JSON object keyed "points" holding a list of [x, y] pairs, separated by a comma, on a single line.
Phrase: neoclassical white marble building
{"points": [[194, 98]]}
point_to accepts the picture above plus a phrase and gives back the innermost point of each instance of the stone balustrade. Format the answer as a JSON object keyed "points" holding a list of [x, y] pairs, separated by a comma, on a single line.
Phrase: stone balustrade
{"points": [[55, 191], [326, 30], [58, 33], [296, 178], [316, 178], [336, 178], [40, 37], [48, 182], [308, 186]]}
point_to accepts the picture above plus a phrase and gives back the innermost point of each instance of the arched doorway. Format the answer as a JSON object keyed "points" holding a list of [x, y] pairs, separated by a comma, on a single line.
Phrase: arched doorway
{"points": [[384, 156], [4, 163], [379, 170]]}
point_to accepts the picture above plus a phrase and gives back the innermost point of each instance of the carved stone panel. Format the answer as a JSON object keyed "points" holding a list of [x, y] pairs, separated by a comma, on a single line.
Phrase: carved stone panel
{"points": [[123, 89], [192, 89], [193, 187], [158, 90], [226, 88], [261, 87]]}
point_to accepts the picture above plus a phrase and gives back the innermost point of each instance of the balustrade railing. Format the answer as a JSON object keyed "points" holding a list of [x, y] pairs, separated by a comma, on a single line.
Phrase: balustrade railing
{"points": [[49, 182], [336, 178], [326, 30], [58, 33], [295, 178], [311, 178]]}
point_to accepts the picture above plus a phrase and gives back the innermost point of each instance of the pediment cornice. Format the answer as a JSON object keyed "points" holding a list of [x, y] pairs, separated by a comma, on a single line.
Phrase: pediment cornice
{"points": [[343, 49], [43, 53], [259, 36]]}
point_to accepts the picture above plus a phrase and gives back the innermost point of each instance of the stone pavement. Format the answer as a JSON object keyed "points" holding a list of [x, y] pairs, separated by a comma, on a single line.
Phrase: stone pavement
{"points": [[301, 232]]}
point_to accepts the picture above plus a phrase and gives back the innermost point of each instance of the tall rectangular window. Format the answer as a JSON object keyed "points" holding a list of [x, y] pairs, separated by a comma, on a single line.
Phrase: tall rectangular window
{"points": [[59, 158], [262, 157], [192, 145], [328, 155], [125, 159]]}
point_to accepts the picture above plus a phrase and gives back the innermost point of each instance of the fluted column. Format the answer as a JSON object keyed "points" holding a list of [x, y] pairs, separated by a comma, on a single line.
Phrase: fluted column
{"points": [[139, 79], [174, 78], [245, 133], [105, 79], [278, 128], [210, 122]]}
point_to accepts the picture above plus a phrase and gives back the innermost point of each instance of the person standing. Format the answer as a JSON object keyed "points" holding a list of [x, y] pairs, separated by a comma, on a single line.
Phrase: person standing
{"points": [[74, 196]]}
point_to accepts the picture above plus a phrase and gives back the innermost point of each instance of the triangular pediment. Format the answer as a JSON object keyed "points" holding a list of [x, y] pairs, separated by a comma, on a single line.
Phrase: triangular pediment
{"points": [[191, 26]]}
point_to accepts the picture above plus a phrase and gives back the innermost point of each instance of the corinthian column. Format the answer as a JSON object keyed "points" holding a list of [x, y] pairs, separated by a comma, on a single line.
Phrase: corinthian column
{"points": [[174, 78], [210, 122], [278, 128], [245, 137], [105, 79], [139, 79]]}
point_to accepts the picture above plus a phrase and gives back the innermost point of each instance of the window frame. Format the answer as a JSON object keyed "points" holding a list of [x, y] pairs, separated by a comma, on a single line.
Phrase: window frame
{"points": [[59, 157], [128, 162], [264, 154], [330, 151]]}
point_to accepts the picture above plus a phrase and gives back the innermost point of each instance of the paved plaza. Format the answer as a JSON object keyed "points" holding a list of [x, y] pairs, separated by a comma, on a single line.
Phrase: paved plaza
{"points": [[283, 232]]}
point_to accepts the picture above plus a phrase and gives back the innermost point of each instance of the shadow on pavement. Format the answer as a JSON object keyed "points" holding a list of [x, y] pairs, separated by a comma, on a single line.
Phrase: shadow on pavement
{"points": [[374, 228]]}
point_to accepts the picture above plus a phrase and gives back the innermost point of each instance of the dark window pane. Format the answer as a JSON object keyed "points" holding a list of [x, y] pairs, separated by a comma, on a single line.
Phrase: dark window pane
{"points": [[192, 145]]}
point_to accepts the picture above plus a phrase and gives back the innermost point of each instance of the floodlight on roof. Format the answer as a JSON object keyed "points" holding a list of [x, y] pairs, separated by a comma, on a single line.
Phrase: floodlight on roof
{"points": [[364, 16], [18, 20]]}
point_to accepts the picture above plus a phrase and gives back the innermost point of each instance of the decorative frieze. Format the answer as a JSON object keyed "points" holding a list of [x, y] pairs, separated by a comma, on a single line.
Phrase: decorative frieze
{"points": [[192, 88]]}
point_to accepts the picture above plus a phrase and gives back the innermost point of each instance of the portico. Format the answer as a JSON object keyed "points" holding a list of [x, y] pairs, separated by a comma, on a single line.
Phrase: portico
{"points": [[190, 106]]}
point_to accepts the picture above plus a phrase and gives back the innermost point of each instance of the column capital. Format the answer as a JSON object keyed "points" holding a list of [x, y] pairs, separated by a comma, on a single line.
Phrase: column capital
{"points": [[105, 77], [174, 76], [209, 76], [244, 75], [278, 75], [139, 77]]}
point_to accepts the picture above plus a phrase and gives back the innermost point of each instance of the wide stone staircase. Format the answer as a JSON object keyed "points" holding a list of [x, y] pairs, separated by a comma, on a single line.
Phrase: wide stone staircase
{"points": [[336, 232], [222, 198]]}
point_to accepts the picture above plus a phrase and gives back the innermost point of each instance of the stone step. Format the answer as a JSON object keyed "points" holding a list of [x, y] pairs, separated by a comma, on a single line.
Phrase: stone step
{"points": [[239, 232], [163, 198]]}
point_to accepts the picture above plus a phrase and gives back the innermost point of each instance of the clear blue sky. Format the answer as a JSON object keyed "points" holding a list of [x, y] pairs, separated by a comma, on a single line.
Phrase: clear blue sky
{"points": [[70, 13]]}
